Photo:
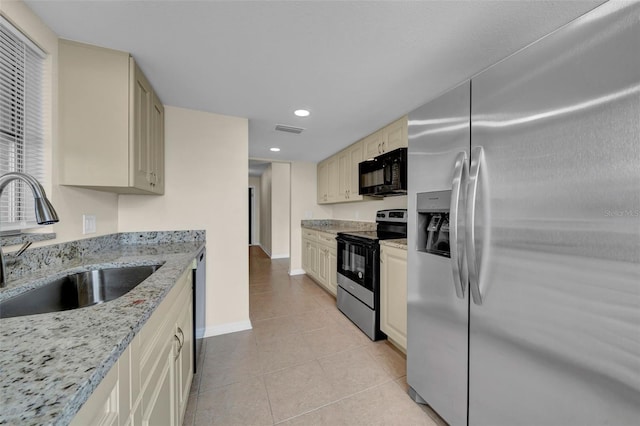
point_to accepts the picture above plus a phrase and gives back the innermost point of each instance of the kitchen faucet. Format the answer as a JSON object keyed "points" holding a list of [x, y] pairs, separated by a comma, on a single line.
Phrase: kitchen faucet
{"points": [[45, 213]]}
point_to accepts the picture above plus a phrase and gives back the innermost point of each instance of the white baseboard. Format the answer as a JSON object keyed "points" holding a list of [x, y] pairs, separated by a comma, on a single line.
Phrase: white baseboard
{"points": [[200, 332], [297, 272], [280, 256], [227, 328]]}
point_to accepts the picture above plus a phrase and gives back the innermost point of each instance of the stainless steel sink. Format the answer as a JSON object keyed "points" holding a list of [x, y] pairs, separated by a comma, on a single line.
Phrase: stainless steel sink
{"points": [[77, 291]]}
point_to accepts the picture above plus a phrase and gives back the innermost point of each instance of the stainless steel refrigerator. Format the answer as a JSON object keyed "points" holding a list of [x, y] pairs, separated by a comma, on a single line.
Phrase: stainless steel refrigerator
{"points": [[524, 234]]}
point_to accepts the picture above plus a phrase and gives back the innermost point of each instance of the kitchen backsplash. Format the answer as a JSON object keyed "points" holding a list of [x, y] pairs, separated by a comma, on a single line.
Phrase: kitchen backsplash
{"points": [[72, 251]]}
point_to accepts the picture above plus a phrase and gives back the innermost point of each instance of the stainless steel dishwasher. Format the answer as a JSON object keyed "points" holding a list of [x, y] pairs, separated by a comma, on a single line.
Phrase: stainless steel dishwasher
{"points": [[199, 304]]}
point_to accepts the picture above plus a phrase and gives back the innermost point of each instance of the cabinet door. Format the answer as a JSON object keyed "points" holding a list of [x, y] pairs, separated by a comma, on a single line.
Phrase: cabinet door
{"points": [[332, 279], [355, 158], [344, 176], [141, 148], [395, 135], [323, 183], [102, 408], [393, 294], [323, 265], [156, 146], [159, 400], [184, 360], [333, 170], [313, 258], [373, 145]]}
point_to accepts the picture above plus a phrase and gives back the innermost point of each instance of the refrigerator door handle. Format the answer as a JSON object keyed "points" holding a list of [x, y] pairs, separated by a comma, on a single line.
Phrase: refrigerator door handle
{"points": [[477, 159], [456, 222]]}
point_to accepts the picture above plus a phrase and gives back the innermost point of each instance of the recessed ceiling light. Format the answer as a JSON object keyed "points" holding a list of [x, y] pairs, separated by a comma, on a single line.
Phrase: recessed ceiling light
{"points": [[301, 113], [275, 149]]}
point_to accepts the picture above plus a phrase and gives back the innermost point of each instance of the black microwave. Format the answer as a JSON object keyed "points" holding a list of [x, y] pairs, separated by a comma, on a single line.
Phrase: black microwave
{"points": [[385, 175]]}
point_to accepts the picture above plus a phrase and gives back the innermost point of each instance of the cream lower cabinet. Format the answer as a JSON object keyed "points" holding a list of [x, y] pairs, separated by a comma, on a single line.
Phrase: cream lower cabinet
{"points": [[319, 258], [150, 383], [393, 295]]}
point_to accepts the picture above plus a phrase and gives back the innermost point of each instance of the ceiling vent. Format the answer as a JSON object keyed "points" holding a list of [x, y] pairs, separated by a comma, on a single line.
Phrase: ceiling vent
{"points": [[289, 129]]}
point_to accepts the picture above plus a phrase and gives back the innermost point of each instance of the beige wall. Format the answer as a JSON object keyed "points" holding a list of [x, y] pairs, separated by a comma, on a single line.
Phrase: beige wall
{"points": [[265, 211], [207, 173], [254, 181], [70, 203], [366, 210], [303, 206], [280, 209]]}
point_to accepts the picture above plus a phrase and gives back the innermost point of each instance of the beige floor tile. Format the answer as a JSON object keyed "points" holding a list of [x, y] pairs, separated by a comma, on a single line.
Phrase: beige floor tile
{"points": [[353, 371], [286, 352], [296, 390], [329, 340], [275, 328], [312, 320], [383, 405], [230, 345], [245, 403], [325, 300], [233, 369], [389, 358], [329, 415]]}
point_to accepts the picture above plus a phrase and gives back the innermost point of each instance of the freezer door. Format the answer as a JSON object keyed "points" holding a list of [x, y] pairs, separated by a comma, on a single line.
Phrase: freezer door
{"points": [[437, 316], [555, 326]]}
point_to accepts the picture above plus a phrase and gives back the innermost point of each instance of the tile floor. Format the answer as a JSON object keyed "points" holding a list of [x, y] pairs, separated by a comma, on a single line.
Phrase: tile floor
{"points": [[303, 363]]}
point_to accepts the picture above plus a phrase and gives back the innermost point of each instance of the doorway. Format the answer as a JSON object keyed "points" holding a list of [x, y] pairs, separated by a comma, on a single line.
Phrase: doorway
{"points": [[250, 215]]}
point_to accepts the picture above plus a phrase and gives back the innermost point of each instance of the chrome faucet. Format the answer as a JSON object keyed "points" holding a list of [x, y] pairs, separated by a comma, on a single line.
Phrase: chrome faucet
{"points": [[45, 213]]}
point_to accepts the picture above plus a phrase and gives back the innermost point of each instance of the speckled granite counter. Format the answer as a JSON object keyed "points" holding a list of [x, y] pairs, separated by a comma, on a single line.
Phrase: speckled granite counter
{"points": [[400, 243], [51, 363], [333, 226]]}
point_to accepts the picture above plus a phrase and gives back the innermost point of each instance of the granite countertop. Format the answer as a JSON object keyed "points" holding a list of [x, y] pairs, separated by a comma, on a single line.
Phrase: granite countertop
{"points": [[400, 243], [51, 363], [333, 226]]}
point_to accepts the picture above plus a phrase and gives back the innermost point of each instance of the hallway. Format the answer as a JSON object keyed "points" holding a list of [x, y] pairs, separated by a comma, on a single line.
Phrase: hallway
{"points": [[303, 363]]}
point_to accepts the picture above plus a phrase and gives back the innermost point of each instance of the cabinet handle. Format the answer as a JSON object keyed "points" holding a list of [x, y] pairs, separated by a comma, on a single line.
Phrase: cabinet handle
{"points": [[182, 334], [179, 347], [383, 147], [379, 152]]}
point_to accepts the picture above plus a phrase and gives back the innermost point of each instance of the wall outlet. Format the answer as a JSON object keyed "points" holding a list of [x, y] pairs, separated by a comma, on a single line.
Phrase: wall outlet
{"points": [[88, 224], [308, 214]]}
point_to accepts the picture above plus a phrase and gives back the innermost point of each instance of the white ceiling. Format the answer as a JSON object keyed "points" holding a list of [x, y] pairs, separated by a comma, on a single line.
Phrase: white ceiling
{"points": [[356, 65]]}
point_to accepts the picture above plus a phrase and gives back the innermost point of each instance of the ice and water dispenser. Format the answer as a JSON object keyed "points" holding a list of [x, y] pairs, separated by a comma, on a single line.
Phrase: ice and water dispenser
{"points": [[433, 222]]}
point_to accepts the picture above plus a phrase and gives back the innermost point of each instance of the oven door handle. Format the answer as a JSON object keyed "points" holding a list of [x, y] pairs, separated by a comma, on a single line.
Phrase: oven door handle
{"points": [[456, 223]]}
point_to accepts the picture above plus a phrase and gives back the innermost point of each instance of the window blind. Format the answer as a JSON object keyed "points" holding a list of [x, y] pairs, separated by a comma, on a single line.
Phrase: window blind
{"points": [[21, 124]]}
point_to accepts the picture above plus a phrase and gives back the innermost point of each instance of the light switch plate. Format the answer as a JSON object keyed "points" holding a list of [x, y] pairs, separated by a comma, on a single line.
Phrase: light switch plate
{"points": [[88, 224]]}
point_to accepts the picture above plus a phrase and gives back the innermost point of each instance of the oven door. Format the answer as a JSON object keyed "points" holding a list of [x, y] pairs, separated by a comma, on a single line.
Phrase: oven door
{"points": [[359, 261]]}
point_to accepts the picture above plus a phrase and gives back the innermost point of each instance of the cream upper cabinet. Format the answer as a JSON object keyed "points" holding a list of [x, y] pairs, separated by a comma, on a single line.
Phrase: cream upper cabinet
{"points": [[339, 175], [333, 170], [323, 183], [344, 175], [355, 158], [111, 122], [394, 135], [393, 294], [372, 145]]}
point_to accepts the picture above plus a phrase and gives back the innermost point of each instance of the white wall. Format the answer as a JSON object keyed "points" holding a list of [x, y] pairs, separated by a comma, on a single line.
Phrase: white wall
{"points": [[280, 209], [69, 202], [265, 211], [206, 184], [303, 206], [254, 181]]}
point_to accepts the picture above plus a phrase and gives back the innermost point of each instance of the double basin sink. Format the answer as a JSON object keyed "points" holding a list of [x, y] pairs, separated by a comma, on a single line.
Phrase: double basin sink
{"points": [[77, 291]]}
